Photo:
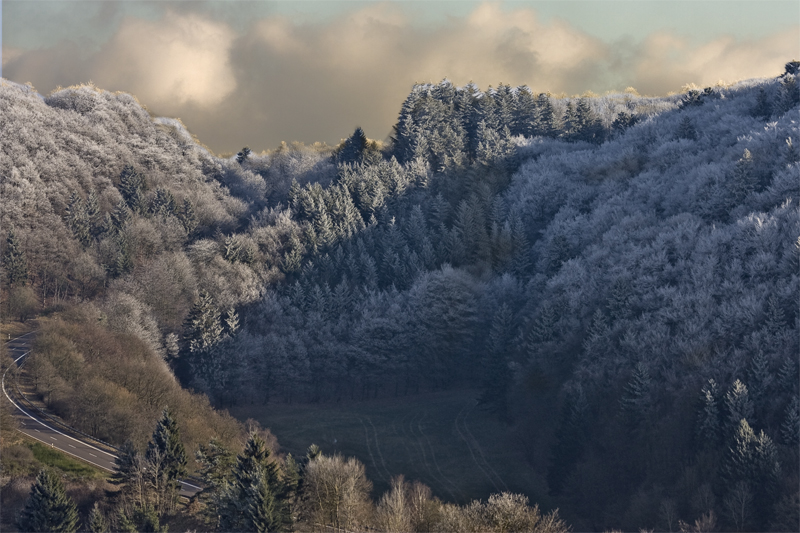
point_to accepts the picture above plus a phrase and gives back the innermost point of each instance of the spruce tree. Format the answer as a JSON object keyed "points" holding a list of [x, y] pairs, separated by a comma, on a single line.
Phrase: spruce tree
{"points": [[14, 261], [49, 508], [97, 522], [790, 429], [686, 129], [243, 154], [708, 423], [738, 404], [131, 186], [636, 401], [203, 326], [166, 442], [252, 501]]}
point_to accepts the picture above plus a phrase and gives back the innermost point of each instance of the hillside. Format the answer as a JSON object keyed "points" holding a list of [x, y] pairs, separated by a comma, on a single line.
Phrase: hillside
{"points": [[612, 278]]}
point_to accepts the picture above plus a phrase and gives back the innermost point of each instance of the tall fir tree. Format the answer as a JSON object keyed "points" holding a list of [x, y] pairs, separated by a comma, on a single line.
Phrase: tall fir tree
{"points": [[709, 429], [14, 260], [49, 508], [166, 448]]}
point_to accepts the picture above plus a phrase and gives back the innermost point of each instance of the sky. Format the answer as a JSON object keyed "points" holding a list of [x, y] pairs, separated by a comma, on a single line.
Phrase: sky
{"points": [[255, 73]]}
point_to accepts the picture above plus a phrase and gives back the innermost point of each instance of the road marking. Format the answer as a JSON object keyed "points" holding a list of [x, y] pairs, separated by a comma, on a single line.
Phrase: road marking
{"points": [[37, 431], [70, 445], [53, 438], [93, 455]]}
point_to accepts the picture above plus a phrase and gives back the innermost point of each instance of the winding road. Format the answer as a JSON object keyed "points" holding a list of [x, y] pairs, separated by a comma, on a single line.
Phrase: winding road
{"points": [[33, 425]]}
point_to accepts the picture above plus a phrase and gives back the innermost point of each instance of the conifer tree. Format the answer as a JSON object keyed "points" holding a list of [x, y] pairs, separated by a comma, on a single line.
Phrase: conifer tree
{"points": [[636, 400], [252, 501], [203, 325], [790, 429], [131, 186], [49, 508], [166, 448], [763, 107], [243, 155], [708, 423], [738, 404], [97, 522], [760, 380], [14, 261], [686, 129]]}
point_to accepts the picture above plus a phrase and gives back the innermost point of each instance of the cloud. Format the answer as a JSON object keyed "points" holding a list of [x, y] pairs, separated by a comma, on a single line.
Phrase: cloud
{"points": [[281, 79], [177, 60]]}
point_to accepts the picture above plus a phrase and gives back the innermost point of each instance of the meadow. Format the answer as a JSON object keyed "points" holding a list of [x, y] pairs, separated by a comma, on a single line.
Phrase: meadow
{"points": [[443, 439]]}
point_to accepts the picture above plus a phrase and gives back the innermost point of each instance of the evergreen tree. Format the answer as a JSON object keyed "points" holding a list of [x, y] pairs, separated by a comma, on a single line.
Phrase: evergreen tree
{"points": [[623, 121], [498, 375], [14, 261], [166, 448], [352, 150], [243, 154], [709, 430], [744, 178], [93, 212], [571, 437], [788, 375], [686, 129], [97, 522], [118, 218], [546, 116], [790, 429], [636, 401], [131, 186], [126, 464], [188, 217], [49, 508], [763, 107], [78, 219], [252, 500], [738, 404], [203, 325], [163, 203], [775, 318], [760, 380]]}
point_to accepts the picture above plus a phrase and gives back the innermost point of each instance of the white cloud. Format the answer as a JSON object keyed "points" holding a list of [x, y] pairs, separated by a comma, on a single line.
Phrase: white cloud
{"points": [[177, 60]]}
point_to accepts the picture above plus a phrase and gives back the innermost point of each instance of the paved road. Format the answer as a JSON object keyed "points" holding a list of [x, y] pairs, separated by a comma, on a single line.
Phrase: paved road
{"points": [[32, 426]]}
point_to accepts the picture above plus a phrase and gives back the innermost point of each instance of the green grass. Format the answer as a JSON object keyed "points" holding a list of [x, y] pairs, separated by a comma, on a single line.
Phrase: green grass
{"points": [[57, 459], [441, 439]]}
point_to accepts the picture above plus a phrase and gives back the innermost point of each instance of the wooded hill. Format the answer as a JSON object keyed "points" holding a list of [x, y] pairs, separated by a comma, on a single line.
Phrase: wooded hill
{"points": [[627, 262]]}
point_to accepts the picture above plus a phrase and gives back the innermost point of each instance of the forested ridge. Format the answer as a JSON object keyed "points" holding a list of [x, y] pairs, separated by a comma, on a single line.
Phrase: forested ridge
{"points": [[616, 277]]}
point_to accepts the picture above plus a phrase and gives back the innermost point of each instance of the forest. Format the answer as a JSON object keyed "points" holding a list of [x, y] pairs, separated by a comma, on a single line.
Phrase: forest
{"points": [[614, 278]]}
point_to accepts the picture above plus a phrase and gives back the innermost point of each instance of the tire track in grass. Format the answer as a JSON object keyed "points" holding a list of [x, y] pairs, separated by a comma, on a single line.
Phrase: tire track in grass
{"points": [[471, 452], [369, 448], [378, 449], [433, 455], [480, 450], [421, 446]]}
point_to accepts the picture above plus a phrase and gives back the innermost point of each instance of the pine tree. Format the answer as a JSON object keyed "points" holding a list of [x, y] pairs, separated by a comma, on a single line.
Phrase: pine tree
{"points": [[97, 522], [131, 186], [243, 154], [93, 212], [636, 401], [126, 463], [738, 404], [571, 437], [166, 447], [788, 375], [49, 508], [708, 424], [188, 217], [760, 380], [498, 375], [78, 219], [686, 129], [775, 318], [203, 325], [790, 429], [744, 178], [763, 107], [252, 500], [740, 459], [14, 261], [546, 116]]}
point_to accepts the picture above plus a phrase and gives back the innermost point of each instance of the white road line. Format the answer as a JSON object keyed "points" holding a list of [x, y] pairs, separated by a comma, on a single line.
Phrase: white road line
{"points": [[93, 455], [70, 445], [37, 431], [53, 438]]}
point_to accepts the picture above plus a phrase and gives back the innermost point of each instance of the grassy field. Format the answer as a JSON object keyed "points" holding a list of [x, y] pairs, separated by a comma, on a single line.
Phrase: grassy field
{"points": [[441, 439]]}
